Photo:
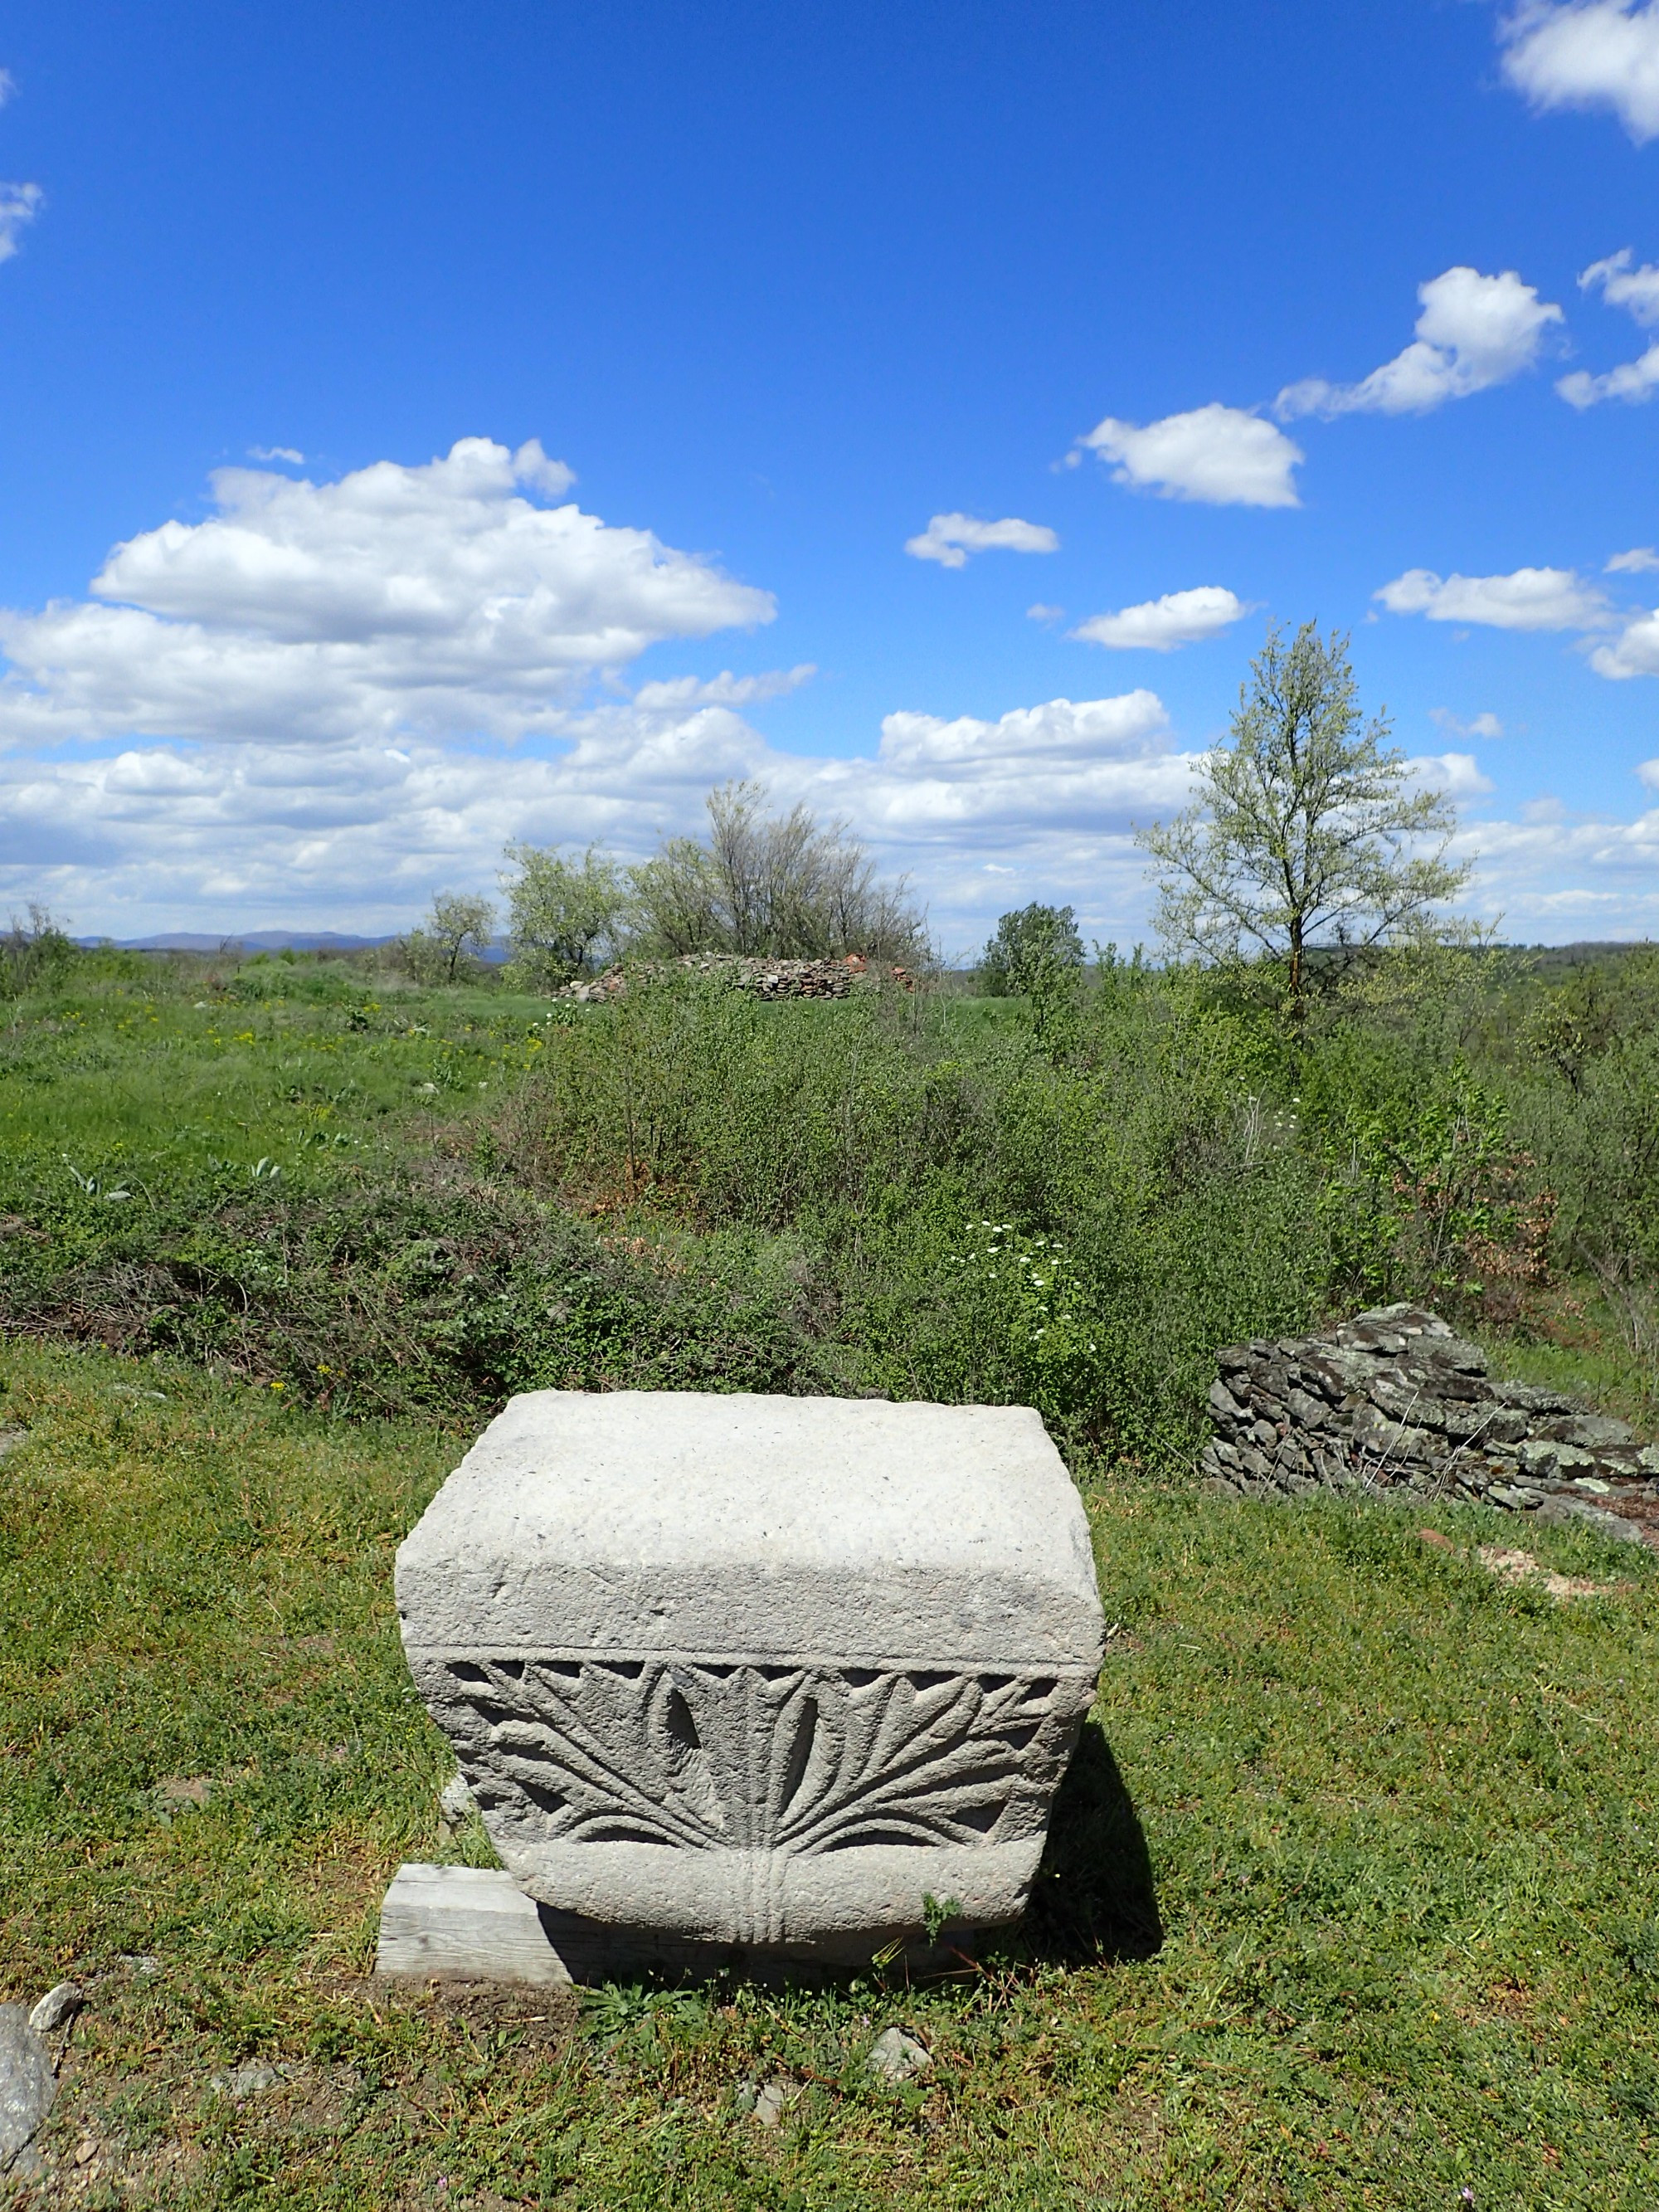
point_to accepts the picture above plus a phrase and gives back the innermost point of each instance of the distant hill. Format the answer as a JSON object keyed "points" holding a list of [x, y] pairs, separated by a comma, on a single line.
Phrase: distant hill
{"points": [[260, 940], [253, 940]]}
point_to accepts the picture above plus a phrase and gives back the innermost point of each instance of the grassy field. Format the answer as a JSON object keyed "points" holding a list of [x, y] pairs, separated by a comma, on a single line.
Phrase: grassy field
{"points": [[1349, 1901], [1350, 1895]]}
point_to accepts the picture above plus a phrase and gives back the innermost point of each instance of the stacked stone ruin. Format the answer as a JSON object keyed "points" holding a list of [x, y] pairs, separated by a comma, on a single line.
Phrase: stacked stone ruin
{"points": [[768, 979], [1395, 1400]]}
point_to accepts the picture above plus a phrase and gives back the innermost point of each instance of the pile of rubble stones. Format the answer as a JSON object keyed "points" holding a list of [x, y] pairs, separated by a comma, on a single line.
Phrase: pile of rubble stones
{"points": [[1395, 1400], [768, 978]]}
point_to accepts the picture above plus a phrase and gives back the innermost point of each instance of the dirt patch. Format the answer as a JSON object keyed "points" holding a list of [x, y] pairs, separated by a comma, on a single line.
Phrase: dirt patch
{"points": [[545, 2019], [1520, 1570]]}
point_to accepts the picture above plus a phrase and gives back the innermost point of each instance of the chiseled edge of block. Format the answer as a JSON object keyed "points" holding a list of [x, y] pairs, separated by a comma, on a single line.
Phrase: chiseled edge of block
{"points": [[474, 1922]]}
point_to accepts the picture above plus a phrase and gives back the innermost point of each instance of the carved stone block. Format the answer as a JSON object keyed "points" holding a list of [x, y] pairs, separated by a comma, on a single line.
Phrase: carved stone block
{"points": [[766, 1673]]}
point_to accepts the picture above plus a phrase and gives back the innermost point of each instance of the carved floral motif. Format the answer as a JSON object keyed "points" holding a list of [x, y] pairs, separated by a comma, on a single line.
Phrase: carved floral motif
{"points": [[795, 1757]]}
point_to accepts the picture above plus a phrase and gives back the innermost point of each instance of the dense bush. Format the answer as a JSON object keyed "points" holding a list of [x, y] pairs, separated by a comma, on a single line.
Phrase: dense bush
{"points": [[380, 1196]]}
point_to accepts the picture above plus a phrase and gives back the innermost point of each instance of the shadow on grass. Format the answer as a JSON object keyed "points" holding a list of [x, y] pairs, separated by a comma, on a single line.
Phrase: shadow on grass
{"points": [[1094, 1898]]}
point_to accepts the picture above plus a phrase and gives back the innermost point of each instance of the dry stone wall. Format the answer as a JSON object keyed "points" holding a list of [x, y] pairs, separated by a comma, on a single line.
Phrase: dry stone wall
{"points": [[1395, 1400], [768, 979]]}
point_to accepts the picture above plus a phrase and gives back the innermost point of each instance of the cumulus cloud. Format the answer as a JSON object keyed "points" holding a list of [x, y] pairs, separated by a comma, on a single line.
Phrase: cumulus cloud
{"points": [[1529, 599], [323, 699], [435, 600], [1480, 726], [1632, 381], [1587, 53], [1637, 290], [1639, 561], [1160, 625], [1634, 652], [1474, 332], [950, 539], [276, 454], [1457, 775], [355, 835], [1222, 456]]}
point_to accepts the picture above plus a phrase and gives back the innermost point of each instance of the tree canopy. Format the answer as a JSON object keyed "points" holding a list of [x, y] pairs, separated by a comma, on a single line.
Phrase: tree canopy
{"points": [[1307, 833], [1034, 946]]}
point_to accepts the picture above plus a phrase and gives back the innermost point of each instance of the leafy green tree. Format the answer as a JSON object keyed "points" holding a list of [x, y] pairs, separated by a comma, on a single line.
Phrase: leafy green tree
{"points": [[1033, 947], [434, 952], [459, 920], [562, 914], [1305, 842]]}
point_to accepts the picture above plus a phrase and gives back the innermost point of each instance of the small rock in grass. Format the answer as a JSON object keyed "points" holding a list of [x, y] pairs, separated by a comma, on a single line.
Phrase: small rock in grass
{"points": [[895, 2056], [28, 2086], [57, 2009], [1595, 1516], [10, 1439], [250, 2079], [769, 2102], [456, 1803], [142, 1963]]}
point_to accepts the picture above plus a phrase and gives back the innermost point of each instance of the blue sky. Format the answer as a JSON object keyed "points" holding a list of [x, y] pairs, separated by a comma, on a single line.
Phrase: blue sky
{"points": [[773, 288]]}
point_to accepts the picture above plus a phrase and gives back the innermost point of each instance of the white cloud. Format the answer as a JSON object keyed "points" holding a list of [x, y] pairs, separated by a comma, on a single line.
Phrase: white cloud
{"points": [[19, 205], [1634, 380], [1474, 332], [324, 699], [1039, 612], [1530, 599], [1587, 53], [1178, 618], [1634, 652], [433, 600], [1637, 562], [276, 454], [1636, 290], [241, 835], [677, 694], [1224, 456], [950, 539], [1457, 775], [1481, 725]]}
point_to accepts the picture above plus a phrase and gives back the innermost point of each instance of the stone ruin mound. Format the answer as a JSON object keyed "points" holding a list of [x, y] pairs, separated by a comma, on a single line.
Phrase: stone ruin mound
{"points": [[1395, 1400], [768, 979]]}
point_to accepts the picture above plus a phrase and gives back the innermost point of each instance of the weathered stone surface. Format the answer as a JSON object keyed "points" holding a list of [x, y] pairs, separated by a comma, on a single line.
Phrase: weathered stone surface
{"points": [[456, 1803], [895, 2056], [764, 1673], [470, 1922], [28, 2086], [57, 2009], [1403, 1402]]}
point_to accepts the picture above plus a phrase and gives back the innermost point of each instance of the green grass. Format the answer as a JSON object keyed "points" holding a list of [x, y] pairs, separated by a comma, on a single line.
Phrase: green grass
{"points": [[1396, 1820]]}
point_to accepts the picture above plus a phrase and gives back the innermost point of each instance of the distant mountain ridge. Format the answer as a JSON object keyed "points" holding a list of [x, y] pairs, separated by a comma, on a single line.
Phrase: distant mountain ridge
{"points": [[252, 940]]}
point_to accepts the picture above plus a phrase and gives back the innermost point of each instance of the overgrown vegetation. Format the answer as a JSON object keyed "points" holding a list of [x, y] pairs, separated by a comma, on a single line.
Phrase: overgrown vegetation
{"points": [[383, 1198]]}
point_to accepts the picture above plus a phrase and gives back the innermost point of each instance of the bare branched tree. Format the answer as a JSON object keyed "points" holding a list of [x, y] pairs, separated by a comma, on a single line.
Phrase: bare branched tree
{"points": [[780, 885], [1308, 834]]}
